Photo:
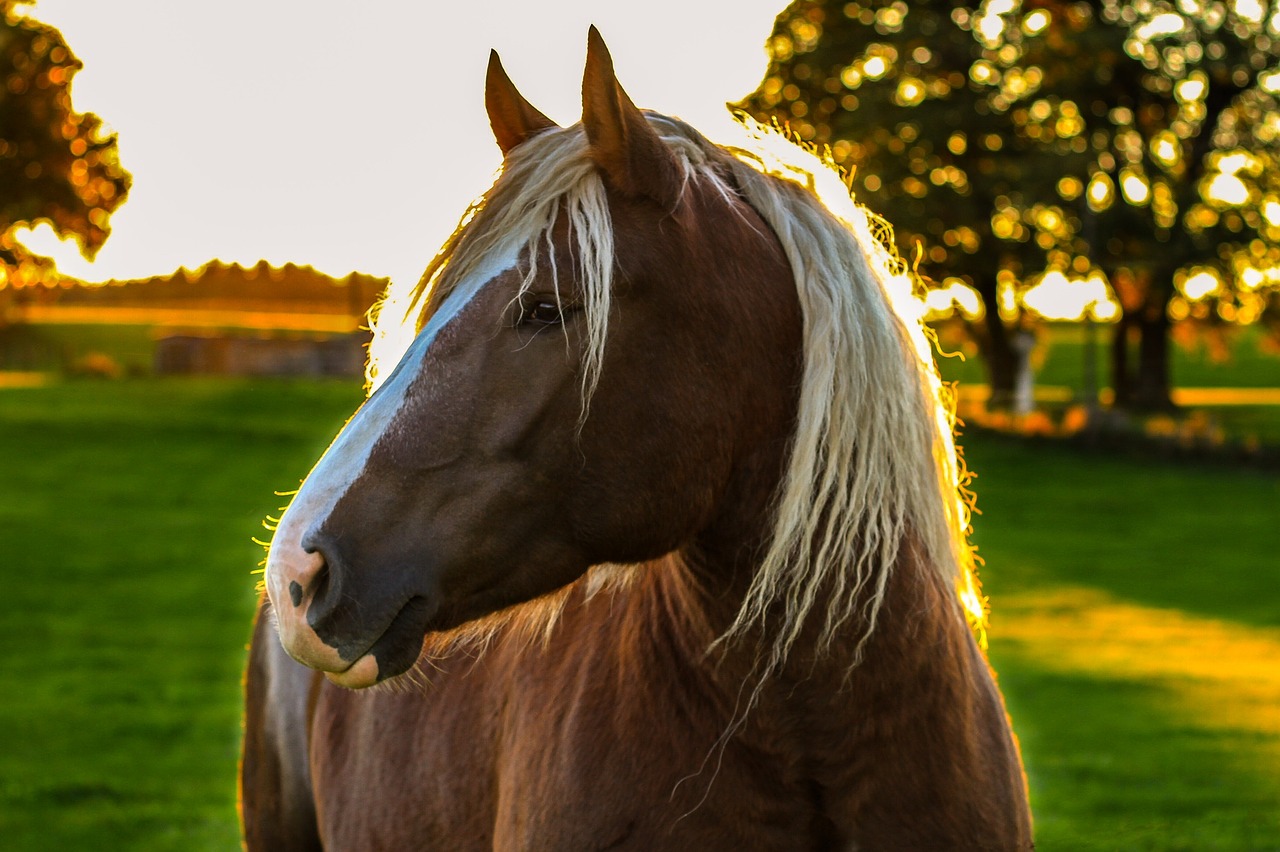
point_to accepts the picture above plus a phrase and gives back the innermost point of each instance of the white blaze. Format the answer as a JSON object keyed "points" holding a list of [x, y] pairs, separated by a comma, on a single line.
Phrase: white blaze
{"points": [[345, 460]]}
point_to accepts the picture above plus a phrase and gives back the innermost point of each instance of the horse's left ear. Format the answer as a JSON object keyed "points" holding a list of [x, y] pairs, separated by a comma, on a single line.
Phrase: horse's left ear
{"points": [[512, 118], [628, 151]]}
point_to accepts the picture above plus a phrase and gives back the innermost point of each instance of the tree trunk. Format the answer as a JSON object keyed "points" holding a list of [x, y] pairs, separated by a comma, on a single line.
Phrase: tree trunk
{"points": [[1121, 384], [996, 348], [1151, 390], [1144, 385]]}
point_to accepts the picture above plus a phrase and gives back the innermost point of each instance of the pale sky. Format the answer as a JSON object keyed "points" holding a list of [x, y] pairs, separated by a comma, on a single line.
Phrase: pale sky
{"points": [[351, 136]]}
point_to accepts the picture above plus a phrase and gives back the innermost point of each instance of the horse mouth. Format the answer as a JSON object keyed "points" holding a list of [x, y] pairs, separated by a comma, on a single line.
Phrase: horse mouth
{"points": [[394, 652]]}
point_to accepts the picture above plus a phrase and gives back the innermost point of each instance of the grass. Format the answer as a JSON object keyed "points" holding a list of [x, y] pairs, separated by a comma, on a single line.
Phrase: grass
{"points": [[125, 524], [1136, 631], [1135, 625]]}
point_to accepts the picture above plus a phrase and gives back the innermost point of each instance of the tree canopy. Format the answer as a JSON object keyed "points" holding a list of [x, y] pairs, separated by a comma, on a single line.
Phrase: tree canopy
{"points": [[1018, 140], [56, 165]]}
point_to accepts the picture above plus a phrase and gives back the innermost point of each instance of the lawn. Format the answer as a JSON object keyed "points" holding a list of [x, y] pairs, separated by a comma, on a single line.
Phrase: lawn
{"points": [[1135, 623], [126, 518], [1136, 630]]}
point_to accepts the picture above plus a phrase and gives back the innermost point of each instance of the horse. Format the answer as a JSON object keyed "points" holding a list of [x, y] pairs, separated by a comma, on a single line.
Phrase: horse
{"points": [[652, 537]]}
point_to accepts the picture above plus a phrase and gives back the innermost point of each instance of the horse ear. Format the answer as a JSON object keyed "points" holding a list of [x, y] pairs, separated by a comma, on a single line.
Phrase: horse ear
{"points": [[512, 118], [628, 151]]}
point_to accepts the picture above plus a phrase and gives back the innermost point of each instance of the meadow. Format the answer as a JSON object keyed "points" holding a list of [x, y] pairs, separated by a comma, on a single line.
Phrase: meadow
{"points": [[1135, 625]]}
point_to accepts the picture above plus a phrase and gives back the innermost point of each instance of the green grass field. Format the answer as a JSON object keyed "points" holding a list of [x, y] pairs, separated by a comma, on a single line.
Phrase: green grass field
{"points": [[1136, 626]]}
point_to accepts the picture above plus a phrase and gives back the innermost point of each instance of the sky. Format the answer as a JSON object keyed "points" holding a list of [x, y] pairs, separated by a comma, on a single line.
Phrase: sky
{"points": [[352, 136]]}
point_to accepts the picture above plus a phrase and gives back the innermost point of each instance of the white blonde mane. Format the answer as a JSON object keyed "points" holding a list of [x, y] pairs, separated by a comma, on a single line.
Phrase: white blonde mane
{"points": [[873, 464]]}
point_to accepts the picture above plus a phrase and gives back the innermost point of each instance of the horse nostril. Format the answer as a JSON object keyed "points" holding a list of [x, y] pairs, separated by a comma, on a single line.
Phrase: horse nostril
{"points": [[314, 579]]}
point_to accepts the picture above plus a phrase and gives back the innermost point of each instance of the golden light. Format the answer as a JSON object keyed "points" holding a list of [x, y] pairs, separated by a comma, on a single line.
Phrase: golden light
{"points": [[983, 71], [875, 67], [1227, 189], [1251, 278], [1249, 10], [1051, 297], [910, 92], [1057, 297], [1199, 283], [1101, 191], [1219, 675], [1036, 21], [889, 18], [975, 604], [1190, 89], [1236, 161], [990, 27], [988, 24], [1161, 25], [1049, 219], [1270, 82], [1070, 187], [1271, 212], [944, 301], [1007, 301], [1165, 149], [957, 143], [1134, 187], [1105, 311]]}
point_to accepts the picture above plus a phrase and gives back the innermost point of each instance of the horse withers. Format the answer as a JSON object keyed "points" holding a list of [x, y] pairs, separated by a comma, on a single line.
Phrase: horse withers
{"points": [[650, 539]]}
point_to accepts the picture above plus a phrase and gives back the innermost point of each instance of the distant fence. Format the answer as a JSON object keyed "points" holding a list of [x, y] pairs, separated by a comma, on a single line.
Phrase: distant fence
{"points": [[340, 355], [180, 341]]}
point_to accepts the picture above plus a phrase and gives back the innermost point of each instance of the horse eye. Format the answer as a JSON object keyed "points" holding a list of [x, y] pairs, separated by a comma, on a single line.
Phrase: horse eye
{"points": [[542, 312]]}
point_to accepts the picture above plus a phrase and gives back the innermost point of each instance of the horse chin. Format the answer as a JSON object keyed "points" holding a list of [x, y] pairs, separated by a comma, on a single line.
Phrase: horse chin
{"points": [[363, 673], [394, 652]]}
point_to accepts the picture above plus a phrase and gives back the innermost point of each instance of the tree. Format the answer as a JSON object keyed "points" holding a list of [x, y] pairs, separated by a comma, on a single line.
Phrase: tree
{"points": [[904, 96], [1177, 105], [56, 165], [1015, 137]]}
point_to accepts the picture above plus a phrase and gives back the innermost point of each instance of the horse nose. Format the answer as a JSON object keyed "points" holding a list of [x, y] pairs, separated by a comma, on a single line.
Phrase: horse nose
{"points": [[320, 592], [312, 573], [299, 573]]}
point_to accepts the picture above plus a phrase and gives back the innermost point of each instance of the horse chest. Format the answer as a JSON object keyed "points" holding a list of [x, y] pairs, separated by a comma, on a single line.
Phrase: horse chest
{"points": [[474, 764]]}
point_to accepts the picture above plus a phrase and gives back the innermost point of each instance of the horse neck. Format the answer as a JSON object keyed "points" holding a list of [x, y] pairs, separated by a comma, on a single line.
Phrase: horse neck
{"points": [[813, 708]]}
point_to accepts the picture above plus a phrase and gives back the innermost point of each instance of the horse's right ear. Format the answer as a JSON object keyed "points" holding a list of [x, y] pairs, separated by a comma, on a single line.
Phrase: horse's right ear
{"points": [[512, 118], [628, 151]]}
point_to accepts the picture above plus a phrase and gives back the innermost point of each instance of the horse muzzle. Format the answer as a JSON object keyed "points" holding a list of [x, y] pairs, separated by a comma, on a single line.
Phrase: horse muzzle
{"points": [[314, 614]]}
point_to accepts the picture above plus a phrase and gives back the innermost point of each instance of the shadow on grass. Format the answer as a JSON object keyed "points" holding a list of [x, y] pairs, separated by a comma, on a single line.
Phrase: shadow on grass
{"points": [[1111, 767], [1193, 538]]}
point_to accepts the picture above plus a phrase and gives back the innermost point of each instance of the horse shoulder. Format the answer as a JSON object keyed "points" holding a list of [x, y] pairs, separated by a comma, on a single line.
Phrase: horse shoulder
{"points": [[276, 807], [916, 752]]}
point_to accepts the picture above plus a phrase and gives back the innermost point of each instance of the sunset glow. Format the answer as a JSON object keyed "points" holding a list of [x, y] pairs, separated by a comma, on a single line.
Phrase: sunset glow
{"points": [[350, 138], [1057, 297]]}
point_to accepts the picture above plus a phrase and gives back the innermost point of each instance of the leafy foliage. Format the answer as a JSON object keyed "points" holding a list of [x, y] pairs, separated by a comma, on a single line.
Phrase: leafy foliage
{"points": [[56, 165], [1127, 140]]}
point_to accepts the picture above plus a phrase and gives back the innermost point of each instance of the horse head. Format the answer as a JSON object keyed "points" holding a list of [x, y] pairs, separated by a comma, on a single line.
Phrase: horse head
{"points": [[606, 357]]}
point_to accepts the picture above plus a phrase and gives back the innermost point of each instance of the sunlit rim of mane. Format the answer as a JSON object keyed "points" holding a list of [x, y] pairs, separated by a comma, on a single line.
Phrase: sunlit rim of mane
{"points": [[873, 464]]}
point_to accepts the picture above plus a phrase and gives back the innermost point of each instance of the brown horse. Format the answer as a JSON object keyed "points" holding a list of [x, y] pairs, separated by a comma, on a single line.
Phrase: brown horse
{"points": [[652, 535]]}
